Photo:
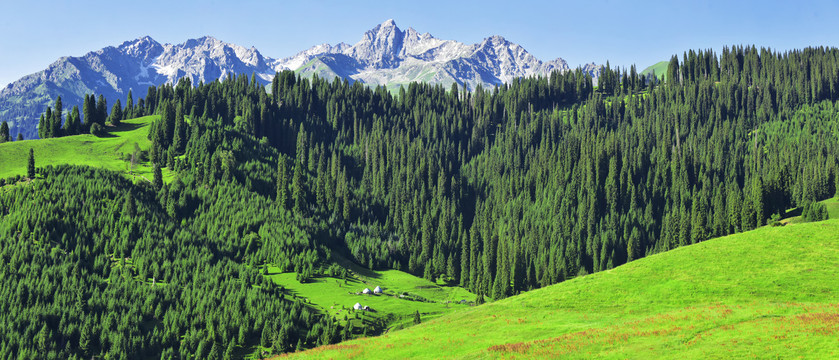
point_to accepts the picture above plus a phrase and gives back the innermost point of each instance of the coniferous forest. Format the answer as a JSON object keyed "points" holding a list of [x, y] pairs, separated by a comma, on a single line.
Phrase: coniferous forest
{"points": [[497, 190]]}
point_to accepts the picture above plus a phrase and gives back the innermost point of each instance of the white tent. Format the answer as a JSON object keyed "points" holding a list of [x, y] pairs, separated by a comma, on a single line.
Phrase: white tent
{"points": [[377, 290], [357, 306], [366, 291]]}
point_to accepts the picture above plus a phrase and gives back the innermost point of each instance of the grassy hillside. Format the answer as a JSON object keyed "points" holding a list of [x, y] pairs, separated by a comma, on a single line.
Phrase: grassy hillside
{"points": [[403, 295], [109, 152], [768, 293], [660, 69], [831, 205]]}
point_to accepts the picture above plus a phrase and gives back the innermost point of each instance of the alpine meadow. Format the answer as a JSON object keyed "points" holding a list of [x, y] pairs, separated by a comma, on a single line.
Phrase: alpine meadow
{"points": [[410, 197]]}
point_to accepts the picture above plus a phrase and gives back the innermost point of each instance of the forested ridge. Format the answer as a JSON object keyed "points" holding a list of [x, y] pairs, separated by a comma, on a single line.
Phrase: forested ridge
{"points": [[498, 190]]}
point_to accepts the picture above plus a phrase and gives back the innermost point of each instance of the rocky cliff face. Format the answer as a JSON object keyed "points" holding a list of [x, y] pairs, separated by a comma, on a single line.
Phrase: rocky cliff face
{"points": [[385, 55]]}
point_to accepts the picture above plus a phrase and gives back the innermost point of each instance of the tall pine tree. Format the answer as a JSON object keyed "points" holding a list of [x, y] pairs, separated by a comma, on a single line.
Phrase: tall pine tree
{"points": [[55, 130], [4, 132], [282, 182], [30, 169]]}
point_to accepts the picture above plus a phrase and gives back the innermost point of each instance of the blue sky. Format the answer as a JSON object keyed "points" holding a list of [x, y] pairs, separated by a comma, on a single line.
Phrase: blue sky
{"points": [[34, 33]]}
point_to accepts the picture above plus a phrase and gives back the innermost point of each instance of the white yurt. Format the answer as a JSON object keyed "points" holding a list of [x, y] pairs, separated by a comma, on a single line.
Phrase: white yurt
{"points": [[366, 291], [377, 290], [357, 306]]}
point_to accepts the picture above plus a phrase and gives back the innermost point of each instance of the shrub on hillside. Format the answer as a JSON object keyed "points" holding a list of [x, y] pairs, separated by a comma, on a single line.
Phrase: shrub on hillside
{"points": [[775, 220], [97, 130]]}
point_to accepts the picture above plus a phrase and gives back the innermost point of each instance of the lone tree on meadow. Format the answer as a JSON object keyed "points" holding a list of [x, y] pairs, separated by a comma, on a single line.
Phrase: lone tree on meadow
{"points": [[30, 170], [4, 132]]}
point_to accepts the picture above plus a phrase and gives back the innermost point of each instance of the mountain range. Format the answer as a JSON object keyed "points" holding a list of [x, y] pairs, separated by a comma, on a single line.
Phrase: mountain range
{"points": [[385, 55]]}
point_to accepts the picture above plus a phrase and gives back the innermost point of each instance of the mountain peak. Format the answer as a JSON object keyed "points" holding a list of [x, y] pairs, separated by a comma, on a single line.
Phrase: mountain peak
{"points": [[204, 40], [142, 47], [387, 29], [380, 46], [496, 40], [389, 23]]}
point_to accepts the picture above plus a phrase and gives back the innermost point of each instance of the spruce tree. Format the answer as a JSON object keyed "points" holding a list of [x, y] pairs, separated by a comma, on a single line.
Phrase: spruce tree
{"points": [[73, 123], [228, 353], [85, 337], [4, 132], [42, 128], [128, 113], [297, 191], [179, 137], [158, 177], [48, 119], [129, 208], [30, 170], [55, 129], [89, 111], [101, 110], [116, 113], [282, 183], [170, 158]]}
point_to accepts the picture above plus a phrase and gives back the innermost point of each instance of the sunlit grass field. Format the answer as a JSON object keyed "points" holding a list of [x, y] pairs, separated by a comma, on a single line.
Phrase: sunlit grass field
{"points": [[768, 293], [109, 151]]}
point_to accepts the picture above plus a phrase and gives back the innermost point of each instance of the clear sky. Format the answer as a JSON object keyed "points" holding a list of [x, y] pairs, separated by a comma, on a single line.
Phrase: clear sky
{"points": [[35, 33]]}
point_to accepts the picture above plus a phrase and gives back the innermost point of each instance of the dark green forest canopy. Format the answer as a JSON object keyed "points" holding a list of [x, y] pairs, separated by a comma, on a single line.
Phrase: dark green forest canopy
{"points": [[93, 264], [498, 190]]}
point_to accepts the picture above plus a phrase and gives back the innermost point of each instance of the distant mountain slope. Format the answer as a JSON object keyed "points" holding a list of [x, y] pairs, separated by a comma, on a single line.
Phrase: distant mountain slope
{"points": [[660, 69], [385, 55], [113, 71], [769, 293]]}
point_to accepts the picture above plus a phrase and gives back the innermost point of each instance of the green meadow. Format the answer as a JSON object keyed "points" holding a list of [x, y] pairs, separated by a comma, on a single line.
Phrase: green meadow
{"points": [[660, 69], [111, 151], [767, 293], [402, 296], [831, 205]]}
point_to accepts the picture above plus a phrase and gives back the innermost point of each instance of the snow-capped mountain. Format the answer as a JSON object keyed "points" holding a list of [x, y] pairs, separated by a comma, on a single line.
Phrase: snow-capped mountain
{"points": [[113, 71], [385, 55]]}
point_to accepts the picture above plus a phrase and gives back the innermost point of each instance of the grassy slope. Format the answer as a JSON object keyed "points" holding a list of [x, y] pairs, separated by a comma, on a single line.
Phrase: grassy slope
{"points": [[106, 152], [660, 69], [768, 293], [332, 296], [832, 206]]}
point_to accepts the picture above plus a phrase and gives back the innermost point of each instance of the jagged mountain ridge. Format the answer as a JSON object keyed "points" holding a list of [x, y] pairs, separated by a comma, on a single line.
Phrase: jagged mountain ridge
{"points": [[385, 55]]}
